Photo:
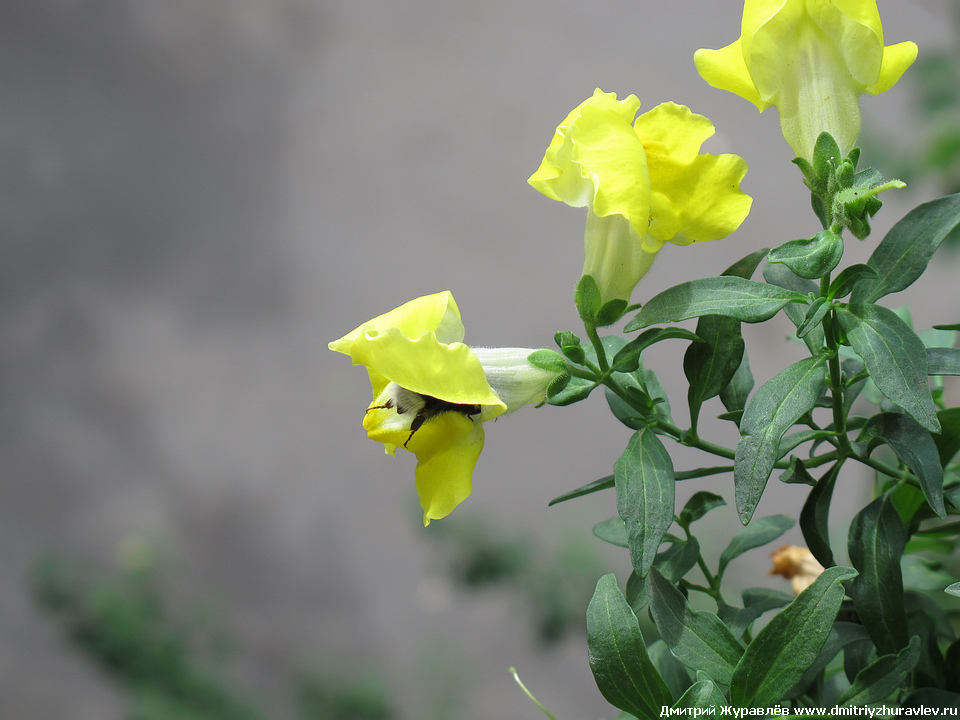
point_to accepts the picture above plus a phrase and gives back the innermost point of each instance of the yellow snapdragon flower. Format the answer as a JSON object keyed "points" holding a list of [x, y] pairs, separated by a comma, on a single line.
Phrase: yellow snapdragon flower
{"points": [[812, 59], [431, 393], [644, 183]]}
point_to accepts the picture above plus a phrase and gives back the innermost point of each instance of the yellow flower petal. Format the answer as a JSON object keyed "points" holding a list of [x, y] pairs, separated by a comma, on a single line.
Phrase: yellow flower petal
{"points": [[434, 313], [447, 448], [449, 372], [896, 59]]}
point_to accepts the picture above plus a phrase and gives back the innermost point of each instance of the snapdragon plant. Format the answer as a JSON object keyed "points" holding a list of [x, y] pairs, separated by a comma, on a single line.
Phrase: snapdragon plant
{"points": [[868, 398]]}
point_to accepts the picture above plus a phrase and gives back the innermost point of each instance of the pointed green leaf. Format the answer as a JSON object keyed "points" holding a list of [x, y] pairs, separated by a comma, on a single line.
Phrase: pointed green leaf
{"points": [[948, 439], [943, 361], [780, 653], [914, 446], [782, 276], [953, 589], [757, 533], [756, 602], [772, 410], [734, 396], [842, 635], [604, 483], [843, 284], [698, 638], [699, 504], [875, 543], [731, 296], [813, 317], [710, 365], [611, 531], [815, 515], [678, 559], [703, 694], [902, 256], [810, 258], [618, 654], [628, 358], [587, 298], [881, 677], [895, 357], [645, 484]]}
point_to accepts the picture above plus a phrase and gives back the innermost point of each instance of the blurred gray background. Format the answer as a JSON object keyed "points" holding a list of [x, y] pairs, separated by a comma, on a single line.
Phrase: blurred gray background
{"points": [[197, 195]]}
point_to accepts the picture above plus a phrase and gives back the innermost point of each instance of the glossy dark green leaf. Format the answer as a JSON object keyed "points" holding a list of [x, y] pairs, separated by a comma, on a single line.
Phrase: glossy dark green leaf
{"points": [[943, 361], [644, 481], [698, 638], [699, 504], [782, 651], [881, 677], [710, 365], [875, 544], [628, 358], [759, 532], [618, 655], [902, 256], [914, 446], [731, 296], [815, 516], [612, 531], [772, 410], [895, 357], [604, 483]]}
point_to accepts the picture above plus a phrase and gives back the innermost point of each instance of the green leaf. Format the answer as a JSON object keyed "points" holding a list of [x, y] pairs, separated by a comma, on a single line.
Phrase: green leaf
{"points": [[943, 361], [612, 531], [645, 496], [881, 677], [618, 655], [875, 544], [815, 515], [678, 559], [575, 390], [814, 315], [628, 358], [611, 311], [710, 365], [757, 533], [924, 699], [604, 483], [843, 284], [699, 504], [914, 446], [570, 345], [895, 357], [756, 602], [948, 439], [746, 266], [734, 395], [702, 694], [698, 638], [549, 360], [810, 258], [902, 256], [841, 635], [782, 276], [587, 298], [953, 589], [772, 410], [782, 651], [731, 296]]}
